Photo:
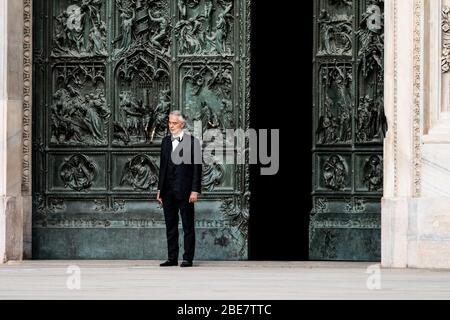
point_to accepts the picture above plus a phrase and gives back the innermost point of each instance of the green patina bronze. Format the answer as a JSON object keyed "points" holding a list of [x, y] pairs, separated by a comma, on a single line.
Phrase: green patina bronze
{"points": [[106, 75], [349, 128]]}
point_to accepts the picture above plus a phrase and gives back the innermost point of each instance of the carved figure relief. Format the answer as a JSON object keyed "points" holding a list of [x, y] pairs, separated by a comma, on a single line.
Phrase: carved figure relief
{"points": [[338, 3], [78, 173], [159, 117], [208, 117], [335, 173], [205, 28], [144, 100], [207, 96], [79, 113], [126, 25], [373, 173], [371, 35], [335, 118], [140, 173], [143, 24], [371, 57], [336, 34], [213, 174], [80, 30], [371, 121]]}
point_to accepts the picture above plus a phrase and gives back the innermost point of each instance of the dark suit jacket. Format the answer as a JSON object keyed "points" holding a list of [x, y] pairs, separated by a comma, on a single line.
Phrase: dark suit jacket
{"points": [[189, 171]]}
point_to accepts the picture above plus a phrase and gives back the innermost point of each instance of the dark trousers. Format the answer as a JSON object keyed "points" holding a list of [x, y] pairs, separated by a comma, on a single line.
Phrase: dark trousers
{"points": [[172, 206]]}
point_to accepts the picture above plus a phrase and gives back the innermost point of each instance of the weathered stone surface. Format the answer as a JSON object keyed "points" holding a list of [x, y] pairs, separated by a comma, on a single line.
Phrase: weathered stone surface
{"points": [[11, 93], [219, 280]]}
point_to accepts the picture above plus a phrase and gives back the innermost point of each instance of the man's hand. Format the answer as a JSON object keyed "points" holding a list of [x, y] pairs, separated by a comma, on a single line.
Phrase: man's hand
{"points": [[194, 197], [158, 197]]}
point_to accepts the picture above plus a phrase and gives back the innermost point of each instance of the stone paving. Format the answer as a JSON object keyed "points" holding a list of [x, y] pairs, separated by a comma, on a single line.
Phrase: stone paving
{"points": [[247, 280]]}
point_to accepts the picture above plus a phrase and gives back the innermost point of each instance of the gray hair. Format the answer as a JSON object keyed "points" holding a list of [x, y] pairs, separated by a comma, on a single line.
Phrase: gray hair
{"points": [[179, 115]]}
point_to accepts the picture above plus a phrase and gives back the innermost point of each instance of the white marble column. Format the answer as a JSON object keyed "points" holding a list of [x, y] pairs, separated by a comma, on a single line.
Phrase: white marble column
{"points": [[416, 202], [11, 124], [398, 145]]}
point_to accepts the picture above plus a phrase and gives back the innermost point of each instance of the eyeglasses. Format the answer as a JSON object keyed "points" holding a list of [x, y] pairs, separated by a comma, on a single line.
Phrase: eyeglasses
{"points": [[174, 123]]}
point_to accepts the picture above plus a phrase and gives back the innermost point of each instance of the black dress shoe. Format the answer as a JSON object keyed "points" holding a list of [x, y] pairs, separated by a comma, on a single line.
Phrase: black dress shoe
{"points": [[169, 263], [186, 264]]}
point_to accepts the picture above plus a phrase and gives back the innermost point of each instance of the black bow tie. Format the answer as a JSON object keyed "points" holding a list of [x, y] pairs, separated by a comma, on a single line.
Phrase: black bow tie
{"points": [[177, 138]]}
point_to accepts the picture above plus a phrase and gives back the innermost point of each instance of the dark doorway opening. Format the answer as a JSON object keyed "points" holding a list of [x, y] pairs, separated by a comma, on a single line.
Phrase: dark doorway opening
{"points": [[282, 99]]}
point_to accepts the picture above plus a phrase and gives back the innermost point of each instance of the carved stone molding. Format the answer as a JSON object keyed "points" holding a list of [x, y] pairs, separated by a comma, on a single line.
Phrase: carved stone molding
{"points": [[27, 94], [418, 80], [445, 59], [395, 120]]}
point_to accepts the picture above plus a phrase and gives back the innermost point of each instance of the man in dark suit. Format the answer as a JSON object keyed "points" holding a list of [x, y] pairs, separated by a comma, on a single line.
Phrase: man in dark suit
{"points": [[179, 185]]}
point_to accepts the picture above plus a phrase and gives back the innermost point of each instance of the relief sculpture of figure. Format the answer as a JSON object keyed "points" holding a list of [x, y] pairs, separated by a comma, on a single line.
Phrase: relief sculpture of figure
{"points": [[182, 8], [159, 117], [373, 173], [223, 28], [127, 29], [326, 30], [98, 39], [184, 4], [345, 124], [161, 34], [75, 27], [335, 34], [363, 113], [134, 118], [227, 114], [191, 35], [60, 127], [144, 178], [76, 119], [371, 121], [327, 130], [91, 12], [341, 2], [92, 120], [79, 30], [208, 14], [138, 174], [208, 117], [61, 31], [77, 173], [130, 113], [92, 7], [371, 53], [334, 173], [213, 174], [221, 82]]}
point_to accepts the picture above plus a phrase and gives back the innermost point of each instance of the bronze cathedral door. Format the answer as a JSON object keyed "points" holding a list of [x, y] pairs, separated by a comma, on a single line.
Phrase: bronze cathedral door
{"points": [[349, 128], [106, 74]]}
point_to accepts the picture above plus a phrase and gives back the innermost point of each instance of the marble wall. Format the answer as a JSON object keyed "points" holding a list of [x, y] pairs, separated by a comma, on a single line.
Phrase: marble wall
{"points": [[416, 203], [11, 124]]}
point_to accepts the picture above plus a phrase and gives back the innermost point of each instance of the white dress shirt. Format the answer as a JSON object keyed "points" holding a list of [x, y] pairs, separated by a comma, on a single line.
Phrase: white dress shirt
{"points": [[176, 142]]}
